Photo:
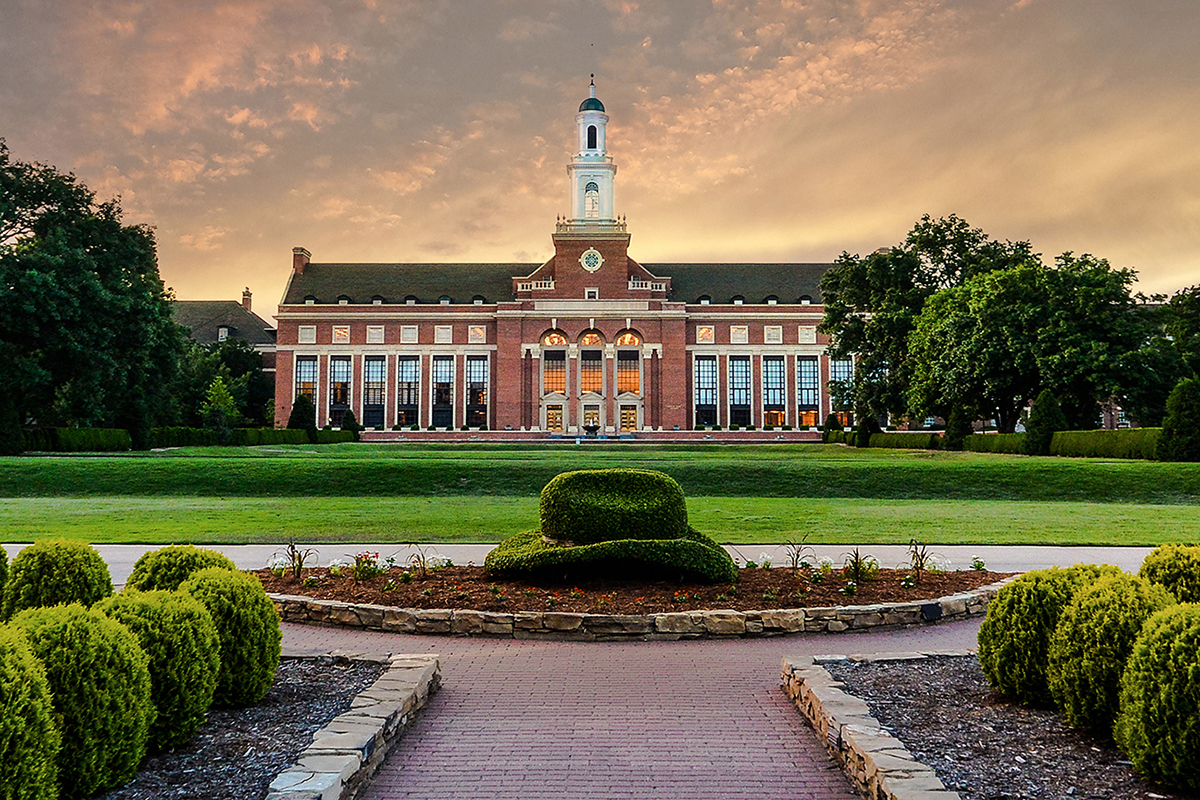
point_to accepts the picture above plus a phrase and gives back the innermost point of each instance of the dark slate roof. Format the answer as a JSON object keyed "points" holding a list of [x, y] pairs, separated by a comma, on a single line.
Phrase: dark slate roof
{"points": [[360, 283], [753, 282], [204, 317], [394, 282]]}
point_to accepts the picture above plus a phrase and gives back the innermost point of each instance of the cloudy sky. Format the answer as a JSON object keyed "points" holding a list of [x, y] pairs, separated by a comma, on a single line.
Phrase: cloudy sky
{"points": [[415, 130]]}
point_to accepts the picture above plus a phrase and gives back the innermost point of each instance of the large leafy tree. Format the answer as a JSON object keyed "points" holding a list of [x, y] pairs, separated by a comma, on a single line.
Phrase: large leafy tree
{"points": [[238, 365], [86, 336], [996, 341], [872, 302]]}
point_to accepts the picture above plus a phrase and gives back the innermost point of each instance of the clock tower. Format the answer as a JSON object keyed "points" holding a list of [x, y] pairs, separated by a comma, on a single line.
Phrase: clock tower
{"points": [[592, 170]]}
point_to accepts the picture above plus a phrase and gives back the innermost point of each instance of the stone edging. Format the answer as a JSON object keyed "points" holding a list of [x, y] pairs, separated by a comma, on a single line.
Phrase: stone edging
{"points": [[876, 762], [561, 625], [349, 750]]}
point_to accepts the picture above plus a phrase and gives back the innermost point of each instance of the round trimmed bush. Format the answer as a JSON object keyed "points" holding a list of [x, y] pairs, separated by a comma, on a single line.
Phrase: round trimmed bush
{"points": [[180, 637], [694, 557], [599, 505], [1159, 723], [55, 573], [100, 685], [1176, 567], [1014, 639], [248, 628], [1092, 642], [169, 567], [29, 739]]}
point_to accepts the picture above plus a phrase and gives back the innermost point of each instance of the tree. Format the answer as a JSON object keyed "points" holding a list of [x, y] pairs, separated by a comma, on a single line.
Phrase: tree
{"points": [[989, 345], [1181, 323], [86, 336], [350, 423], [1045, 417], [1180, 437], [304, 416], [871, 304], [219, 412], [238, 364]]}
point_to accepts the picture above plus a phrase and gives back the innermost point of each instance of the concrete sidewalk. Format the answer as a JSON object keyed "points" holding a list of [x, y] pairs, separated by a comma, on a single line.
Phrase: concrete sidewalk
{"points": [[1020, 558]]}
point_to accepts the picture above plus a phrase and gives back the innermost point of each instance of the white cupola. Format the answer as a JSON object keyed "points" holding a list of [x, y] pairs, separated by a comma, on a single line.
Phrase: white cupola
{"points": [[591, 170]]}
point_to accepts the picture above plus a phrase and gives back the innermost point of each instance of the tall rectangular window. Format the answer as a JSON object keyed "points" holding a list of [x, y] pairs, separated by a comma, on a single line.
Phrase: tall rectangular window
{"points": [[808, 391], [774, 391], [443, 391], [554, 371], [629, 373], [374, 378], [306, 377], [339, 388], [705, 380], [840, 371], [739, 390], [408, 390], [591, 371], [477, 391]]}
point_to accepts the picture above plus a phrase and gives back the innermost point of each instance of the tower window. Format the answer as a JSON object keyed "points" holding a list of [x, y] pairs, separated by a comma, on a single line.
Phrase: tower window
{"points": [[591, 137], [591, 200]]}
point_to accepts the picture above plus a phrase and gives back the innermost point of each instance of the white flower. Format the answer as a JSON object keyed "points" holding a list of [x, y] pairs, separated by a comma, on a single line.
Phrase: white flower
{"points": [[278, 563], [764, 560], [939, 563]]}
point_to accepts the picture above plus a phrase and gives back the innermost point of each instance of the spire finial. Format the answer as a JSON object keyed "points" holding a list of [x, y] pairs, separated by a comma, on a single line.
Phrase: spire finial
{"points": [[592, 88]]}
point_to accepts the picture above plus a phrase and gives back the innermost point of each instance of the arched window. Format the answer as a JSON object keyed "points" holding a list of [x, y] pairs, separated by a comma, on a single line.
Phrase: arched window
{"points": [[591, 200], [629, 339], [591, 339], [554, 339], [591, 137]]}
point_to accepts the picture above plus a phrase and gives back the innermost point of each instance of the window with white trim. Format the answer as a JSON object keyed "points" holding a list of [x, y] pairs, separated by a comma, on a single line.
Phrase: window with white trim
{"points": [[443, 334], [374, 380], [739, 334], [774, 391], [341, 334], [477, 391], [408, 334], [704, 379], [306, 334], [739, 390], [408, 390], [443, 391], [374, 334], [808, 391], [773, 334]]}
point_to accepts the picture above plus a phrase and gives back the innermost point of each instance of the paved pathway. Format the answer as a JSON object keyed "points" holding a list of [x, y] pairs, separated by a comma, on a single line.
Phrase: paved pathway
{"points": [[532, 720]]}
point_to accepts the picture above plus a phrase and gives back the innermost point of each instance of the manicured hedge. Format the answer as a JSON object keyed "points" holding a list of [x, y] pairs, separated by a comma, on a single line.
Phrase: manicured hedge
{"points": [[598, 505], [1122, 443], [1010, 443], [168, 567], [1176, 567], [50, 573], [907, 441], [252, 437], [180, 637], [248, 627], [78, 440], [29, 737], [695, 557], [100, 684], [836, 436], [333, 437], [181, 437]]}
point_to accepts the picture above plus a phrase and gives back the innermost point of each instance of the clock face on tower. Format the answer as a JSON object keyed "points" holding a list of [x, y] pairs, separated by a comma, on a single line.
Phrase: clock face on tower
{"points": [[591, 259]]}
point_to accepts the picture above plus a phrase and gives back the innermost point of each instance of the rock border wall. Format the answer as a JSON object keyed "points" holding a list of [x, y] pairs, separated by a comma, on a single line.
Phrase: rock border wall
{"points": [[669, 626]]}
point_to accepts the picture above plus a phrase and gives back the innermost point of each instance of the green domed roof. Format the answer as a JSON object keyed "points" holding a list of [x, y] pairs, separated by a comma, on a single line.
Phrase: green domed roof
{"points": [[591, 104]]}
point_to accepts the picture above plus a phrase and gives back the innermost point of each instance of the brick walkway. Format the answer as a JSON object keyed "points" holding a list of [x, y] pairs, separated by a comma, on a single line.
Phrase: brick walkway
{"points": [[532, 720]]}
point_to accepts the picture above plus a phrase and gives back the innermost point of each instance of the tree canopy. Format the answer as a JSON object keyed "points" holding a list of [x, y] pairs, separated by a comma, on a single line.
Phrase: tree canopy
{"points": [[86, 336]]}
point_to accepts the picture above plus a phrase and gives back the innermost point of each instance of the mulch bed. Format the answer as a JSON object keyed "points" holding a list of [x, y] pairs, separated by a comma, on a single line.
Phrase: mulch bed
{"points": [[982, 746], [756, 589], [236, 753]]}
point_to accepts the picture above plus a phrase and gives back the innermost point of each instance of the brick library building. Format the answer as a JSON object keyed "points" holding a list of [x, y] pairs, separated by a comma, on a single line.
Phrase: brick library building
{"points": [[590, 342]]}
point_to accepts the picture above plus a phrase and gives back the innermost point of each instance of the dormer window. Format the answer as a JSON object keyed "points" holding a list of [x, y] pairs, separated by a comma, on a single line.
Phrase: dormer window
{"points": [[343, 300], [704, 300], [738, 299], [805, 300], [222, 333], [772, 300], [411, 300], [377, 300], [444, 299], [478, 300], [309, 300]]}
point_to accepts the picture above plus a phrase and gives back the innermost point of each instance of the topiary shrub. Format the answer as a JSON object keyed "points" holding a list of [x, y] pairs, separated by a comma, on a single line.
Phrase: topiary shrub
{"points": [[832, 423], [617, 521], [1014, 639], [304, 417], [1092, 642], [958, 428], [596, 505], [248, 627], [1159, 723], [180, 637], [169, 567], [1175, 567], [1045, 418], [53, 573], [1180, 437], [29, 738], [100, 685]]}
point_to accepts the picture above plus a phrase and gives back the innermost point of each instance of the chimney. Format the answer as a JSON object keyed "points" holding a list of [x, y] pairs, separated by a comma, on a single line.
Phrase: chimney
{"points": [[246, 299], [300, 259]]}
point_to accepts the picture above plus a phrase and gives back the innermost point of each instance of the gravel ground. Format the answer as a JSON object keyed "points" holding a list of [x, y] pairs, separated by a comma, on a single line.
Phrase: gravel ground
{"points": [[983, 747], [236, 753]]}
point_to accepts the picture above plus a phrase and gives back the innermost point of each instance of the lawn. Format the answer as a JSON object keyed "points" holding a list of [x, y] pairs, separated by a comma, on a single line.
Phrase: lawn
{"points": [[753, 494]]}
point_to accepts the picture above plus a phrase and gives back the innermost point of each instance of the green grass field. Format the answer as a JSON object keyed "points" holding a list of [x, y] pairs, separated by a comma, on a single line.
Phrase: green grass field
{"points": [[484, 493]]}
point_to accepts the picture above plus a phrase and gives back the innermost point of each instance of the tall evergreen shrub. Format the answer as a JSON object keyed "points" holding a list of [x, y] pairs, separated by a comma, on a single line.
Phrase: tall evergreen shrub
{"points": [[304, 417], [1180, 437], [831, 424], [1045, 417], [958, 428]]}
